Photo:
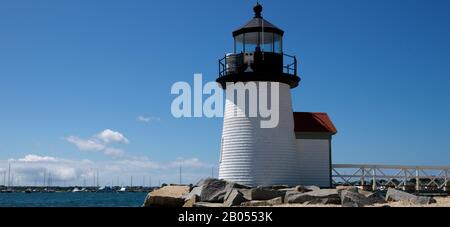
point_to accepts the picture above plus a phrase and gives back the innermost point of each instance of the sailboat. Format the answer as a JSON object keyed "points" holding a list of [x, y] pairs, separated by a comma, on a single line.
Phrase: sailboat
{"points": [[105, 190], [122, 190]]}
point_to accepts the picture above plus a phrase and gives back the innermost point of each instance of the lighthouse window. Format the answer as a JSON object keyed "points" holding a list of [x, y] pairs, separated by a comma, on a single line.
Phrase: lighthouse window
{"points": [[277, 44], [251, 41], [239, 44], [267, 42]]}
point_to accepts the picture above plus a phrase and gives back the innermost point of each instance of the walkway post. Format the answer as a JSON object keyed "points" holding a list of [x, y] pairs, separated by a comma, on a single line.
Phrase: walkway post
{"points": [[363, 176], [374, 183], [446, 180], [417, 179]]}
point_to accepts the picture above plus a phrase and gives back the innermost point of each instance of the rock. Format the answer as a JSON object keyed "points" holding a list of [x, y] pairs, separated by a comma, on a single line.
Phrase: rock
{"points": [[370, 197], [400, 196], [323, 197], [168, 196], [213, 190], [350, 198], [193, 200], [208, 205], [232, 186], [257, 194], [374, 197], [197, 191], [266, 203], [235, 198]]}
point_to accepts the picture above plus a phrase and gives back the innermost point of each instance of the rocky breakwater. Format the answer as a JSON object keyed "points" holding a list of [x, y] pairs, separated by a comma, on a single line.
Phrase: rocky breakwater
{"points": [[219, 193]]}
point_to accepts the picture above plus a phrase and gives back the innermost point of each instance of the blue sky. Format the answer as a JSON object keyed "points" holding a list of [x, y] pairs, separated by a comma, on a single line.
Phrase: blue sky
{"points": [[73, 69]]}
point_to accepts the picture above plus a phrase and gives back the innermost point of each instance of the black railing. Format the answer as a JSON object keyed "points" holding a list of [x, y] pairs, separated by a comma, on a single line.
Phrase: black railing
{"points": [[232, 64], [290, 68]]}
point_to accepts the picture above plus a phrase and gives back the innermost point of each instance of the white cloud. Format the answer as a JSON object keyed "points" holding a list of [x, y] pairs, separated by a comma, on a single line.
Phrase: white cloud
{"points": [[190, 163], [101, 142], [109, 136], [148, 119], [36, 158], [86, 145], [113, 152]]}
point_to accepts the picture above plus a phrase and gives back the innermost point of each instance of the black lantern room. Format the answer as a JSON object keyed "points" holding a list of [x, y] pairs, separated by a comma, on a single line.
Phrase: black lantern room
{"points": [[258, 55]]}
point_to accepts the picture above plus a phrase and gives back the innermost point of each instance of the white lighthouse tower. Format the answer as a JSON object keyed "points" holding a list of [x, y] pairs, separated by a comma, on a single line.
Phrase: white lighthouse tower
{"points": [[250, 154]]}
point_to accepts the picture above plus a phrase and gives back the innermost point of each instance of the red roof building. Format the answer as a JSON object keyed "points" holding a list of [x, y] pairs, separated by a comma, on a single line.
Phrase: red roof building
{"points": [[314, 132], [313, 123]]}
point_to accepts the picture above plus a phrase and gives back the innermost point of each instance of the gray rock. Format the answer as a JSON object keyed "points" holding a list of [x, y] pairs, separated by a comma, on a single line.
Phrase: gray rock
{"points": [[323, 197], [231, 186], [256, 194], [197, 191], [235, 198], [400, 196], [208, 205], [374, 197], [266, 203], [350, 198], [213, 191]]}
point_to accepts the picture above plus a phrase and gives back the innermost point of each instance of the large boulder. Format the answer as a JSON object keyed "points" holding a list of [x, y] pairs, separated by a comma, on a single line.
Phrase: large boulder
{"points": [[359, 197], [350, 198], [322, 197], [266, 203], [168, 196], [400, 196], [374, 197], [261, 194], [214, 191], [235, 198]]}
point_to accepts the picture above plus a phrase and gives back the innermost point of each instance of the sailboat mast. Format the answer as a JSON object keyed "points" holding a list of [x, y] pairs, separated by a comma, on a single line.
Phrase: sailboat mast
{"points": [[98, 184], [45, 176], [181, 170], [9, 174]]}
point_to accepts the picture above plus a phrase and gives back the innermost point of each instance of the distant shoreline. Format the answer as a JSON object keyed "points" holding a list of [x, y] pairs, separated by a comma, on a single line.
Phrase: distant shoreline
{"points": [[59, 189]]}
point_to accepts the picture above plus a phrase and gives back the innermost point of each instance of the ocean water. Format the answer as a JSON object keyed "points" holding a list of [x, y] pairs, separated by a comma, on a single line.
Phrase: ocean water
{"points": [[69, 199]]}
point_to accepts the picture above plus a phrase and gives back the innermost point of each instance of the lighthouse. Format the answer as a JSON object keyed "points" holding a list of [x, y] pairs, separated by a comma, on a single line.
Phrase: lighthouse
{"points": [[251, 154], [280, 148]]}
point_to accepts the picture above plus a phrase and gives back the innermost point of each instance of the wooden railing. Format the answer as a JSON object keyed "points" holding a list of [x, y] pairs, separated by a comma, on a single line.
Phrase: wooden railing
{"points": [[409, 178]]}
